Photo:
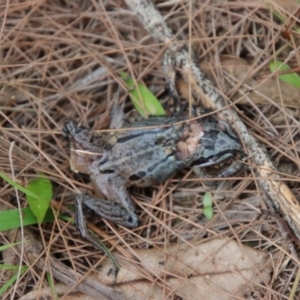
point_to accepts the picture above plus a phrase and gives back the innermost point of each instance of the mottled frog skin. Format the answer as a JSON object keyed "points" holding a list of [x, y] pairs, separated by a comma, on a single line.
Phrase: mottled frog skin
{"points": [[148, 152]]}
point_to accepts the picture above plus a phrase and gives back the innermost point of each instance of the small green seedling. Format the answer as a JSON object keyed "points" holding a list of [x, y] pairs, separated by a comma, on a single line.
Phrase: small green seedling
{"points": [[292, 79], [207, 205]]}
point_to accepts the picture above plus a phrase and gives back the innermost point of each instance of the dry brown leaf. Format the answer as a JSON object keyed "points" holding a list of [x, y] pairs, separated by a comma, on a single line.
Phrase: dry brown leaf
{"points": [[209, 270], [60, 289], [263, 90], [218, 268]]}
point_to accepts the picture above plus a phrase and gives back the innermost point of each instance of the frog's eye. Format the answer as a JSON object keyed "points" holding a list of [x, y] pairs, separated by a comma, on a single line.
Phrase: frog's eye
{"points": [[222, 125], [132, 222], [108, 171], [139, 175]]}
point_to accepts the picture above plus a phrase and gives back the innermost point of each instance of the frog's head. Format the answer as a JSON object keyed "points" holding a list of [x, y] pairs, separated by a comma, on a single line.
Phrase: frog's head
{"points": [[217, 145], [84, 149]]}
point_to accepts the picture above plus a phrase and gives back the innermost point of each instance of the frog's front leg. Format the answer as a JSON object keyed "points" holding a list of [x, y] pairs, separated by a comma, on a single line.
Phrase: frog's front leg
{"points": [[83, 230], [231, 168], [117, 207], [228, 171], [106, 209]]}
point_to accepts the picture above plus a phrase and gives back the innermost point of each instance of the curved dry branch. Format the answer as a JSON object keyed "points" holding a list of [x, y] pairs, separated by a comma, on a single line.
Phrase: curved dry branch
{"points": [[178, 58]]}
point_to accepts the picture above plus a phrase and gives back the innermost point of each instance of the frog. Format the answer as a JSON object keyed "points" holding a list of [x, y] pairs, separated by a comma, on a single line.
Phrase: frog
{"points": [[147, 152]]}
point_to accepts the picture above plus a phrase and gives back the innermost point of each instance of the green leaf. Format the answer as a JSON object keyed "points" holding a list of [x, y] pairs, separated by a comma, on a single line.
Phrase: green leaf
{"points": [[292, 79], [7, 246], [52, 286], [43, 188], [208, 212], [17, 186], [10, 219], [148, 102], [9, 267]]}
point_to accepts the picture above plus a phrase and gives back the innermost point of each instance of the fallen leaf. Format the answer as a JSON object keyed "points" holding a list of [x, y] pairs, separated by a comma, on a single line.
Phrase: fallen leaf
{"points": [[217, 269], [262, 91]]}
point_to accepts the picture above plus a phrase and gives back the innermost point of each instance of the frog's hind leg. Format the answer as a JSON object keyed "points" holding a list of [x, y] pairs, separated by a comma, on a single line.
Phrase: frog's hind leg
{"points": [[106, 209], [83, 230], [230, 170], [117, 205]]}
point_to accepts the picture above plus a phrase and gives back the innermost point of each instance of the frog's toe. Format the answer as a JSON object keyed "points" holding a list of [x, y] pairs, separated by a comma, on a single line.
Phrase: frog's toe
{"points": [[132, 221]]}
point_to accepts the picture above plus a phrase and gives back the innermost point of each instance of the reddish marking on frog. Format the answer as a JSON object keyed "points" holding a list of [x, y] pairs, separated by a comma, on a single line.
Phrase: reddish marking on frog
{"points": [[189, 142]]}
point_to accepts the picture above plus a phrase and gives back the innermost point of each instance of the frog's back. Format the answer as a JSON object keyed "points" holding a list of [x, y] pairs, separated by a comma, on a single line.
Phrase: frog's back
{"points": [[143, 156]]}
